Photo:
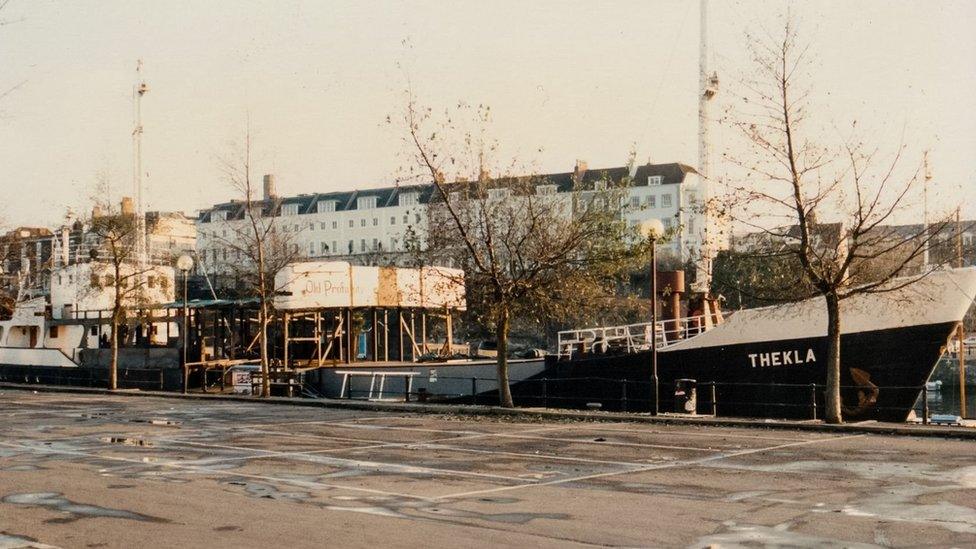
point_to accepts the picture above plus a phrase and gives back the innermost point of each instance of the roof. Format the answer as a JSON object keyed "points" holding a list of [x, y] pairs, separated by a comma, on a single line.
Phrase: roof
{"points": [[672, 173]]}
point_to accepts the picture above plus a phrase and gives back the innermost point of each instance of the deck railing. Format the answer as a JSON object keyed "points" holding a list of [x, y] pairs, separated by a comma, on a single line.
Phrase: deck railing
{"points": [[629, 338]]}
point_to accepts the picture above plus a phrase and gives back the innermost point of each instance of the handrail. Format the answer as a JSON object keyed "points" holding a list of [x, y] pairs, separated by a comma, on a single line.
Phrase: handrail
{"points": [[630, 338]]}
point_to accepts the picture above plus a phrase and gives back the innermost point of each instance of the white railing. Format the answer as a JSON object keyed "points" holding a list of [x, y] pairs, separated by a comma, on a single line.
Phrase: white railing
{"points": [[629, 338]]}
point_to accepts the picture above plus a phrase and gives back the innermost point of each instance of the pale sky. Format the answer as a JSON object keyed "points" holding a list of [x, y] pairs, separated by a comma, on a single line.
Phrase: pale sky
{"points": [[580, 80]]}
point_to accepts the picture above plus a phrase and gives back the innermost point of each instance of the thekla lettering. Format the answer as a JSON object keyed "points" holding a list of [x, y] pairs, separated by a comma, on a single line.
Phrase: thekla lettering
{"points": [[781, 358]]}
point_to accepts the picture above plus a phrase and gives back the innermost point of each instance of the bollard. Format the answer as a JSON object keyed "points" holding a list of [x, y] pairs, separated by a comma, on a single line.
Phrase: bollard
{"points": [[623, 395], [925, 405], [406, 388], [545, 392], [712, 399], [813, 401], [474, 390]]}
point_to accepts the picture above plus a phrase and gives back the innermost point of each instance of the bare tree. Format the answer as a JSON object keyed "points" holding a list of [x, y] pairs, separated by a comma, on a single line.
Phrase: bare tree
{"points": [[116, 267], [259, 247], [822, 212], [526, 250]]}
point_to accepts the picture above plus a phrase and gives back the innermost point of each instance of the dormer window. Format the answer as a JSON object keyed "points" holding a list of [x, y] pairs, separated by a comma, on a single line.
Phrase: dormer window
{"points": [[218, 216], [408, 199], [366, 202], [545, 190], [654, 180], [600, 186], [325, 206], [289, 209]]}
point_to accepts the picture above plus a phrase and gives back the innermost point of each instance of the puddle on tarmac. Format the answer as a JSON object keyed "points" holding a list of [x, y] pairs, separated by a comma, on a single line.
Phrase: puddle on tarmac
{"points": [[10, 541], [127, 441], [267, 491], [748, 535], [158, 421], [57, 502], [508, 518], [20, 468]]}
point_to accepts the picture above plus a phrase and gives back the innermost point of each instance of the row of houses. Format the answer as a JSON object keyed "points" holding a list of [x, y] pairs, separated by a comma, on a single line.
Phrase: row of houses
{"points": [[366, 226]]}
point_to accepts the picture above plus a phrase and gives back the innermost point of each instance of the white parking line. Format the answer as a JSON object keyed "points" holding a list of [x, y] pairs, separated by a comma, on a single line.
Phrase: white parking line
{"points": [[193, 468], [671, 465], [355, 463]]}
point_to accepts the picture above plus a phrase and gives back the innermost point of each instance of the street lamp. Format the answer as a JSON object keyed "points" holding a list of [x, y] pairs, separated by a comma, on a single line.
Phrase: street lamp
{"points": [[653, 229], [184, 263]]}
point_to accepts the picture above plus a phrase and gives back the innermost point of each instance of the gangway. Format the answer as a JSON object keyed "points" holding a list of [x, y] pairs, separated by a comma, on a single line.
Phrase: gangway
{"points": [[630, 338]]}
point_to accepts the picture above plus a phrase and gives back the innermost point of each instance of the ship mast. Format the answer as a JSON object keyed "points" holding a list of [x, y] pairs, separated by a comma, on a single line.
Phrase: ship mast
{"points": [[138, 90], [925, 208], [708, 87]]}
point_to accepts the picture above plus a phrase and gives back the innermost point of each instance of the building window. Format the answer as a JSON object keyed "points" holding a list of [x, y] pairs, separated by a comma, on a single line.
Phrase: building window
{"points": [[218, 216], [362, 222], [635, 202], [325, 206], [94, 330], [53, 332], [666, 200], [654, 180], [392, 220], [376, 221], [362, 245], [324, 248], [334, 248], [406, 219], [375, 244], [545, 189], [322, 225], [497, 194], [417, 216], [289, 209], [335, 224], [393, 244], [668, 223], [408, 199], [600, 186], [366, 202], [350, 223], [350, 246], [652, 201]]}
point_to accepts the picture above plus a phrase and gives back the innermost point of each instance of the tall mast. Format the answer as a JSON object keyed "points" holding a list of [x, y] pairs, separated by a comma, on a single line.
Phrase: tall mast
{"points": [[138, 90], [708, 87], [925, 208]]}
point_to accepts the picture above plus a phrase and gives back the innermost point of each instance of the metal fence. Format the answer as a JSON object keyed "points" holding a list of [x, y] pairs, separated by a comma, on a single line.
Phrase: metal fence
{"points": [[780, 400], [156, 379]]}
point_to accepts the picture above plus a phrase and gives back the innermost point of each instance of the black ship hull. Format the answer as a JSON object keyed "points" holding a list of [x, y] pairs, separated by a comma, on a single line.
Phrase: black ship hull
{"points": [[881, 376]]}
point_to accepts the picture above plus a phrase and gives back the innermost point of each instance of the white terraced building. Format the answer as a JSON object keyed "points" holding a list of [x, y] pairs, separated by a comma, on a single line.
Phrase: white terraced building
{"points": [[374, 225]]}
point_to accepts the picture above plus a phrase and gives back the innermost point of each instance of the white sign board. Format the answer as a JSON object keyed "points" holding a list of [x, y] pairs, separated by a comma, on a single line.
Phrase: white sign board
{"points": [[325, 284]]}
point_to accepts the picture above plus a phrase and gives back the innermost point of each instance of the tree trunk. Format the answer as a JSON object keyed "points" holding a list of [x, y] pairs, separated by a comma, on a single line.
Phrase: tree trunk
{"points": [[501, 334], [832, 411], [113, 365], [263, 323]]}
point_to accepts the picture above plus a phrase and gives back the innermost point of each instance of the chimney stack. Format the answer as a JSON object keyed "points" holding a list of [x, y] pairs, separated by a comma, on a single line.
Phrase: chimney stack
{"points": [[579, 171], [269, 187], [127, 207]]}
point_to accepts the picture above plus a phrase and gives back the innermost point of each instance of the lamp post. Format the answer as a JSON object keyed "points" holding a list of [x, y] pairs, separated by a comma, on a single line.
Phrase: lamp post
{"points": [[184, 264], [652, 229]]}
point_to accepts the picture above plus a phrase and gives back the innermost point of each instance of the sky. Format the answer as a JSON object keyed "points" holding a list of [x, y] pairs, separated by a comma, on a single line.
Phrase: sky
{"points": [[316, 80]]}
